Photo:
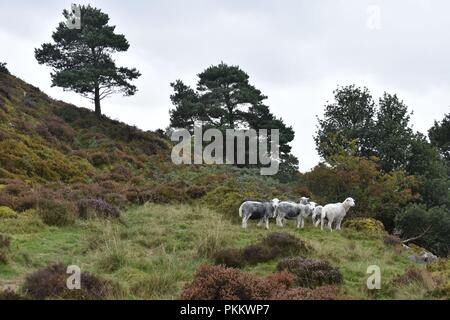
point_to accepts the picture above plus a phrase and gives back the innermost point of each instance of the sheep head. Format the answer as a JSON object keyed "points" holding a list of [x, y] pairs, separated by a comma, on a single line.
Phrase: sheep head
{"points": [[349, 203]]}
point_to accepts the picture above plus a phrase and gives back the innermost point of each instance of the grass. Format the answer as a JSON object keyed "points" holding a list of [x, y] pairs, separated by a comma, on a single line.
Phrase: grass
{"points": [[154, 250]]}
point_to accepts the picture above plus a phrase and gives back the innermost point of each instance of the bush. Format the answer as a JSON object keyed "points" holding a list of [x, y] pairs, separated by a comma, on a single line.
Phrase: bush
{"points": [[392, 240], [366, 225], [51, 283], [9, 295], [320, 293], [416, 219], [221, 283], [7, 213], [99, 159], [89, 208], [5, 242], [412, 275], [58, 213], [273, 246], [311, 273], [3, 68]]}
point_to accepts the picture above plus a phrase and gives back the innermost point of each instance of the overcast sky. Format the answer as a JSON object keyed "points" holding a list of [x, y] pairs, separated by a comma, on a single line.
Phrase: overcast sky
{"points": [[296, 52]]}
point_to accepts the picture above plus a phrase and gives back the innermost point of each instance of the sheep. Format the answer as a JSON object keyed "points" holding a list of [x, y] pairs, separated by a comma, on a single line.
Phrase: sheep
{"points": [[317, 215], [336, 212], [258, 210], [292, 210], [304, 200]]}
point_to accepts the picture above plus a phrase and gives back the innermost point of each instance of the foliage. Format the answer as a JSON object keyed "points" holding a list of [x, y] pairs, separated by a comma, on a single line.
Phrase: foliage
{"points": [[55, 212], [378, 195], [5, 243], [321, 293], [311, 273], [440, 136], [3, 68], [7, 213], [225, 99], [392, 240], [275, 245], [354, 125], [220, 283], [349, 118], [51, 283], [365, 225], [431, 226], [82, 59], [96, 208]]}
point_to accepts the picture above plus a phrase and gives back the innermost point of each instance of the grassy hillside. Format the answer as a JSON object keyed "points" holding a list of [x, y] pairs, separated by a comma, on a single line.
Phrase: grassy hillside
{"points": [[63, 171], [153, 252]]}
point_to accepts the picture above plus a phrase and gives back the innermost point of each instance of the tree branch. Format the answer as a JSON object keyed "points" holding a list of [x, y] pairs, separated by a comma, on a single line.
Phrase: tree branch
{"points": [[417, 237]]}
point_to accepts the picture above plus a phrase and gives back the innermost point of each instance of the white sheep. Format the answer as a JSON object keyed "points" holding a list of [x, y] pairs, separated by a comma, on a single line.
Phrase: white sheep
{"points": [[336, 212], [317, 215]]}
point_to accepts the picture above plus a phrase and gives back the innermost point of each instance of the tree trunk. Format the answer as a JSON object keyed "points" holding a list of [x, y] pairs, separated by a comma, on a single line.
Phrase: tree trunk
{"points": [[98, 109]]}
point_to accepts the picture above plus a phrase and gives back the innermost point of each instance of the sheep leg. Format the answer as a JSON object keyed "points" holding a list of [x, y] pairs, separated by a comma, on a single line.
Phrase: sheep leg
{"points": [[339, 222], [267, 224], [244, 221], [279, 221], [303, 223], [330, 225], [260, 223]]}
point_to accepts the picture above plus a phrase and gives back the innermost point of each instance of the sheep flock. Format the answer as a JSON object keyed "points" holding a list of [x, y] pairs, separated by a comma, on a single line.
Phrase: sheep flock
{"points": [[331, 214]]}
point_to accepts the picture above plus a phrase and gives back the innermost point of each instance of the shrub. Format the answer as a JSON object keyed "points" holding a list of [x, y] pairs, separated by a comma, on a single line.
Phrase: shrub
{"points": [[55, 212], [379, 195], [441, 291], [392, 240], [89, 208], [51, 283], [5, 242], [7, 213], [412, 275], [221, 283], [230, 257], [416, 219], [366, 225], [287, 244], [59, 129], [196, 192], [3, 258], [273, 246], [311, 273], [8, 294], [320, 293], [3, 68], [99, 159]]}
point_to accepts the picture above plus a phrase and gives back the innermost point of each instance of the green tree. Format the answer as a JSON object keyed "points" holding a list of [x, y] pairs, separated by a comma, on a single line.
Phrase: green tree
{"points": [[440, 136], [429, 227], [225, 99], [3, 68], [350, 117], [393, 136], [82, 58]]}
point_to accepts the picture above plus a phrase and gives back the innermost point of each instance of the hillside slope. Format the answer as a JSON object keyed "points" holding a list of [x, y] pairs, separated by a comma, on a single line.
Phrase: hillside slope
{"points": [[58, 161]]}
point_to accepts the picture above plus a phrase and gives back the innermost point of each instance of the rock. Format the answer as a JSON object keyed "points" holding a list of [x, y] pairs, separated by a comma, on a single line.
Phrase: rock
{"points": [[424, 258]]}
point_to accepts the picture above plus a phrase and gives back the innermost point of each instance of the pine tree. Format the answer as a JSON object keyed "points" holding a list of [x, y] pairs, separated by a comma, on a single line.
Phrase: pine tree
{"points": [[82, 58]]}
